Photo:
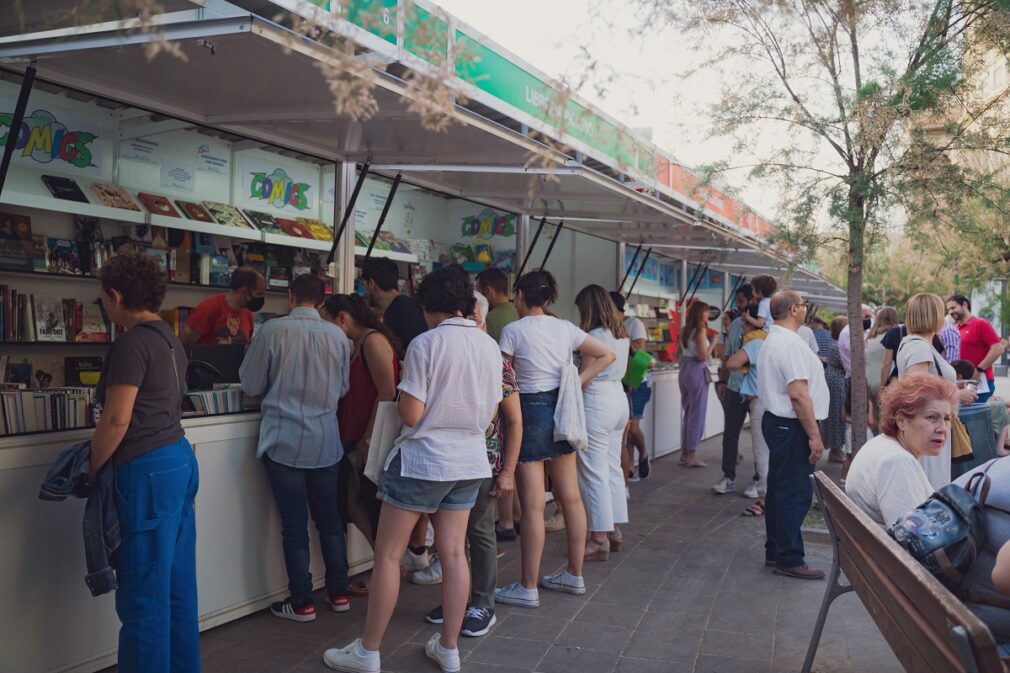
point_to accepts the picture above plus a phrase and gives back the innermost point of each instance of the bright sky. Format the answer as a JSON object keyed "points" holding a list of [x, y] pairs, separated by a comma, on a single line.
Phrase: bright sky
{"points": [[636, 79]]}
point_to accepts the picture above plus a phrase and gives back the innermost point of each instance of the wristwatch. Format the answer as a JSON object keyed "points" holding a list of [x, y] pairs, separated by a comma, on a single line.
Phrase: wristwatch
{"points": [[980, 370]]}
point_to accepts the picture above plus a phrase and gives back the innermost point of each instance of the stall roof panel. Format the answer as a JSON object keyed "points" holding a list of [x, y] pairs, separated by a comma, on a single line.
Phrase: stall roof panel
{"points": [[32, 16]]}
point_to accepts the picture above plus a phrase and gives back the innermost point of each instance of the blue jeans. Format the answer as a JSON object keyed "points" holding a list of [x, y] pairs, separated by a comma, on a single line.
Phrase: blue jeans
{"points": [[156, 569], [297, 491], [790, 491]]}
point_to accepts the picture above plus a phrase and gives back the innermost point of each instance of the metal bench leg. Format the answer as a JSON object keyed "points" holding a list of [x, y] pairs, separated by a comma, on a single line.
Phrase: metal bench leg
{"points": [[965, 649], [834, 589]]}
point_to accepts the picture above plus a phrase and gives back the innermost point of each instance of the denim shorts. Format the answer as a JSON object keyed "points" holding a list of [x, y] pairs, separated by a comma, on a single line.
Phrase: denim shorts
{"points": [[422, 495], [638, 398], [538, 428]]}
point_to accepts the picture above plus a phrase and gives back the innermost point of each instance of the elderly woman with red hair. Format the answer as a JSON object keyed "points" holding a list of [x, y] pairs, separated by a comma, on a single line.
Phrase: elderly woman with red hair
{"points": [[886, 479]]}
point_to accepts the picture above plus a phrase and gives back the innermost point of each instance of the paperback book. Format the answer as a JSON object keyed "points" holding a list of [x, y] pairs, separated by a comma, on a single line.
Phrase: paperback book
{"points": [[16, 250], [49, 319]]}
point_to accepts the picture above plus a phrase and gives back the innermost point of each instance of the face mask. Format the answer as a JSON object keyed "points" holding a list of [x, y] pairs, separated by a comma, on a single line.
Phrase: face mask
{"points": [[255, 303], [867, 322]]}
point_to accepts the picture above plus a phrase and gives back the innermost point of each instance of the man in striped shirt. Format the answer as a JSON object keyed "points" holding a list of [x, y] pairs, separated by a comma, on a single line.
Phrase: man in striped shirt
{"points": [[299, 364]]}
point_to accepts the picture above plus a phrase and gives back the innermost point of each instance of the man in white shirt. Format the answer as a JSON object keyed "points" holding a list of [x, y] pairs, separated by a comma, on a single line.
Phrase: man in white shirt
{"points": [[795, 397]]}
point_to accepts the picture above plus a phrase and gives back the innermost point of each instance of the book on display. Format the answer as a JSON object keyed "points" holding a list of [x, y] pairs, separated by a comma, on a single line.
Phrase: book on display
{"points": [[263, 221], [64, 188], [226, 214], [113, 196], [157, 204], [194, 211], [17, 253], [49, 320]]}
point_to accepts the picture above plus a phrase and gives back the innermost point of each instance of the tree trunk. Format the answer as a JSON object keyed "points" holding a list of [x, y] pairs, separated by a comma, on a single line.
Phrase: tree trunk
{"points": [[857, 382]]}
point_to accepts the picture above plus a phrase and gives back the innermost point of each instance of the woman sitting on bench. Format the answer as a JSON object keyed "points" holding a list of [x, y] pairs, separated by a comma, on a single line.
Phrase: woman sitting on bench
{"points": [[886, 479]]}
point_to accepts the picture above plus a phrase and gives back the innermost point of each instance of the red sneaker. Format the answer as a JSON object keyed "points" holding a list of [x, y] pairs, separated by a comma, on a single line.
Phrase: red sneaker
{"points": [[340, 603], [285, 610]]}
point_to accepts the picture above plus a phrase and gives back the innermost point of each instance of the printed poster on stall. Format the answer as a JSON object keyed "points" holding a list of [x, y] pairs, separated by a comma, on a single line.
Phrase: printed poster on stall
{"points": [[57, 135], [144, 150], [278, 186], [213, 159], [178, 175]]}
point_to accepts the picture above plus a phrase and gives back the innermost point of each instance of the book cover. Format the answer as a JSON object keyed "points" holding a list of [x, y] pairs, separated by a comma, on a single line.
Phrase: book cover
{"points": [[159, 237], [49, 320], [82, 371], [93, 326], [40, 257], [48, 371], [280, 277], [16, 250], [220, 271], [64, 257], [19, 372], [161, 256], [263, 221], [361, 239], [393, 243], [226, 214], [113, 196], [317, 228], [64, 188], [157, 204], [294, 228], [179, 269], [194, 211], [204, 244]]}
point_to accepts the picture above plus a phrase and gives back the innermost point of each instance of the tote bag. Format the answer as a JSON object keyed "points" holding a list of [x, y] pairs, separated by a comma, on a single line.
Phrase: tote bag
{"points": [[570, 412], [386, 429]]}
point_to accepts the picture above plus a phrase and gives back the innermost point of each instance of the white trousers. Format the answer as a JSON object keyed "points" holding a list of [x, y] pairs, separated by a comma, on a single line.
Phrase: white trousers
{"points": [[600, 477], [757, 438]]}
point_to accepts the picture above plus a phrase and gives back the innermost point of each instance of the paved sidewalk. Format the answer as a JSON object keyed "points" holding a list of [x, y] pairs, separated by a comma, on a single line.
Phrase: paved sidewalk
{"points": [[688, 593]]}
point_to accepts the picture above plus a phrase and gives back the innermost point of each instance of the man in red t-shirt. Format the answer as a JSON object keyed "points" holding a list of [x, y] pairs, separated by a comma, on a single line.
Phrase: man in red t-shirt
{"points": [[980, 345], [227, 318]]}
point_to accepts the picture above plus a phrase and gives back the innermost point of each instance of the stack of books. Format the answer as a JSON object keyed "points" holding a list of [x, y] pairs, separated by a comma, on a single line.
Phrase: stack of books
{"points": [[50, 409], [35, 317], [225, 399]]}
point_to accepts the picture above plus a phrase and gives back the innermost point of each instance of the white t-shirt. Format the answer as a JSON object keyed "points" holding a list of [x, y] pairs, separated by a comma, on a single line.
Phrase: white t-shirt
{"points": [[886, 481], [784, 358], [635, 328], [455, 369], [765, 311], [616, 370], [807, 335], [539, 345]]}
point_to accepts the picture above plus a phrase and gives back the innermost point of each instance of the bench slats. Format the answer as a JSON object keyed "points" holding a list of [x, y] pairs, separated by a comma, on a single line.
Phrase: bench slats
{"points": [[913, 610]]}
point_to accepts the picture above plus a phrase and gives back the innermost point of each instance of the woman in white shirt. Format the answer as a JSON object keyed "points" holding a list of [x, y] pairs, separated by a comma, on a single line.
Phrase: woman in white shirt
{"points": [[924, 315], [601, 479], [538, 345], [449, 391], [886, 479]]}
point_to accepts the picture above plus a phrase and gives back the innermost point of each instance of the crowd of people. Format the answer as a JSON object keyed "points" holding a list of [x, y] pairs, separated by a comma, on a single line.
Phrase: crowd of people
{"points": [[475, 378]]}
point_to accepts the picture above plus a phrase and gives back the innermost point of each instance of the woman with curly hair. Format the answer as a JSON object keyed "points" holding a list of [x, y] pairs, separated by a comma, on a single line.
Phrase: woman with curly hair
{"points": [[140, 392]]}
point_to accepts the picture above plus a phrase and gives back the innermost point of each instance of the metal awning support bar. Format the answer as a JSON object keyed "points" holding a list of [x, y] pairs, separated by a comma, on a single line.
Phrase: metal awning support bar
{"points": [[385, 211], [348, 209], [550, 248], [645, 259], [631, 266], [529, 251], [732, 295], [690, 284], [697, 286], [15, 126]]}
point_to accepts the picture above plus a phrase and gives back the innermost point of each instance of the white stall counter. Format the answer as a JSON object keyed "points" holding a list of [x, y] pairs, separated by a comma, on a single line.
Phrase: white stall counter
{"points": [[663, 415], [240, 565]]}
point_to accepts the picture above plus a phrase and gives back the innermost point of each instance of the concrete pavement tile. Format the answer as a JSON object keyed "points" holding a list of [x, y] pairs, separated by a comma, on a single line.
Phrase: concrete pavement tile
{"points": [[738, 645], [594, 636], [722, 664], [564, 659], [509, 652], [530, 626], [680, 648], [631, 665], [627, 615]]}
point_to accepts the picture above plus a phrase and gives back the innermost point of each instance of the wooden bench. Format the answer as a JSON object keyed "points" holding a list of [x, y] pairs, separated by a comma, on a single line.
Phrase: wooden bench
{"points": [[928, 628]]}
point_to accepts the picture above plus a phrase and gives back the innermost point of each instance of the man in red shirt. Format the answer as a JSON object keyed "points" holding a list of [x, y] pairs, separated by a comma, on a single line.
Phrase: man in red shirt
{"points": [[227, 318], [980, 345]]}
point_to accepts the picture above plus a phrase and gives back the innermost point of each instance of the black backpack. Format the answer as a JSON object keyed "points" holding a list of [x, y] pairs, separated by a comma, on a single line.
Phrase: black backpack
{"points": [[946, 533]]}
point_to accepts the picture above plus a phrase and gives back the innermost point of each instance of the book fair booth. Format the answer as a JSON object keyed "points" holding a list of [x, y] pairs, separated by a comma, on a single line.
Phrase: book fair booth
{"points": [[230, 152]]}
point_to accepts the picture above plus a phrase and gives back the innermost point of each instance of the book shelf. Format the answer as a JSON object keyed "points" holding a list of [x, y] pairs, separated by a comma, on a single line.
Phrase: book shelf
{"points": [[47, 275]]}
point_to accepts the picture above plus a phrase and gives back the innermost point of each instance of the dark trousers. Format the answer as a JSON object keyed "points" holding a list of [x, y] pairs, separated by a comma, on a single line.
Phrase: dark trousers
{"points": [[156, 600], [790, 491], [483, 549], [735, 412], [297, 492]]}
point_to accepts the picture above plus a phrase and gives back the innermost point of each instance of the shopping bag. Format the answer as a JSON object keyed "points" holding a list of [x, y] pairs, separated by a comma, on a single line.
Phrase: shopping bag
{"points": [[570, 412], [638, 366], [386, 429]]}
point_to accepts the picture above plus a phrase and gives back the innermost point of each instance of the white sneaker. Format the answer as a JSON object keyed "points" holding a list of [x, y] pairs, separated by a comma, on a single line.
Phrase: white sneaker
{"points": [[724, 486], [352, 659], [430, 575], [448, 660], [634, 478], [517, 594], [562, 580], [413, 562], [751, 491]]}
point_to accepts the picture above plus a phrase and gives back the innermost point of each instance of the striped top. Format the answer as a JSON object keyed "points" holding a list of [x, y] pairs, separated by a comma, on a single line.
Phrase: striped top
{"points": [[299, 364]]}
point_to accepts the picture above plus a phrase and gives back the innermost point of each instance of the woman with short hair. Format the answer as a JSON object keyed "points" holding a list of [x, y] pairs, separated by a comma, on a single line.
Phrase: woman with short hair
{"points": [[156, 474], [886, 479]]}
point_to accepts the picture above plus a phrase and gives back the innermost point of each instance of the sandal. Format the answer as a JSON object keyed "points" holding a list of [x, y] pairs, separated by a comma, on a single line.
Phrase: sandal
{"points": [[357, 589], [757, 509]]}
